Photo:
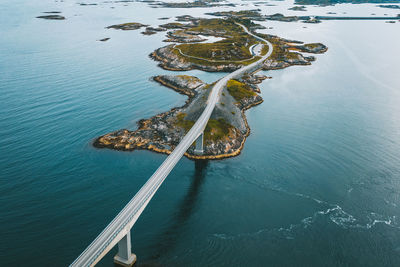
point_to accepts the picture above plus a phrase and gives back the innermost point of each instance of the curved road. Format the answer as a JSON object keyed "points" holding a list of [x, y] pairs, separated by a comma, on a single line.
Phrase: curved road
{"points": [[123, 222]]}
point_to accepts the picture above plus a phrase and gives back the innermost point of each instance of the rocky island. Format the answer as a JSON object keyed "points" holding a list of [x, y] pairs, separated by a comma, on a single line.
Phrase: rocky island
{"points": [[227, 129], [193, 4], [127, 26], [51, 17]]}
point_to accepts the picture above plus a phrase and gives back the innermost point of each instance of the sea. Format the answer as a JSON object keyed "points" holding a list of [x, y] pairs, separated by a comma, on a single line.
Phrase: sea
{"points": [[317, 183]]}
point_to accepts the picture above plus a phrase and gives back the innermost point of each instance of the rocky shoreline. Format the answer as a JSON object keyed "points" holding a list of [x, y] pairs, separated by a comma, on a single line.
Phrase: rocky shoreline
{"points": [[227, 128], [163, 132], [169, 60]]}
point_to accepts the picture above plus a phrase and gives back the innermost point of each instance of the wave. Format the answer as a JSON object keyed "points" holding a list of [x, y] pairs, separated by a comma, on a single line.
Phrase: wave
{"points": [[332, 214]]}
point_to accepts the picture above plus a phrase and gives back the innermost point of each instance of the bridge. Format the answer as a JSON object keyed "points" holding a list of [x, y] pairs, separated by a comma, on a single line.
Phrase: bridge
{"points": [[118, 231]]}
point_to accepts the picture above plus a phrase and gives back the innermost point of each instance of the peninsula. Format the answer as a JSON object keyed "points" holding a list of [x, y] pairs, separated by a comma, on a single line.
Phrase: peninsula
{"points": [[242, 52]]}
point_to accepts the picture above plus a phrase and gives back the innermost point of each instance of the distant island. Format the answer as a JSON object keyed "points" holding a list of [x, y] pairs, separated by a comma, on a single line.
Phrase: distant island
{"points": [[227, 128], [187, 4], [334, 2], [390, 6]]}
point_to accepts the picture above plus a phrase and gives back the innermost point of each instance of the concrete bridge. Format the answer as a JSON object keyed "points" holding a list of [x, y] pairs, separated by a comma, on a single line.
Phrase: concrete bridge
{"points": [[118, 231]]}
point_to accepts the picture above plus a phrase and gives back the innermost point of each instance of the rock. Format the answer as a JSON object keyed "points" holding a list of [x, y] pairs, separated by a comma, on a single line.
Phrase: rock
{"points": [[298, 8], [315, 48], [312, 20], [171, 61], [52, 12], [181, 83], [127, 26], [158, 29], [173, 25], [181, 37], [148, 32], [281, 17], [52, 17], [84, 4]]}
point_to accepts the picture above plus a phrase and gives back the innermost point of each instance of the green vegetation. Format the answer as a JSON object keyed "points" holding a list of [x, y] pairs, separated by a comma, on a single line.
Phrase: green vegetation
{"points": [[185, 124], [312, 45], [239, 90], [235, 46], [292, 55], [229, 50], [280, 51], [264, 50], [127, 26], [217, 129], [223, 27], [173, 25], [254, 13]]}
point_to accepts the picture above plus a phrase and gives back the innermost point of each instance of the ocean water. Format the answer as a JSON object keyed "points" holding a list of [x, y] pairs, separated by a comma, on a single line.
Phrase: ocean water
{"points": [[317, 183]]}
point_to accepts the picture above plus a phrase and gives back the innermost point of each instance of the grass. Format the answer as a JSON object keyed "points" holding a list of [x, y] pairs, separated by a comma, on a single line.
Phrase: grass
{"points": [[292, 55], [312, 45], [264, 50], [173, 25], [222, 26], [235, 46], [217, 129], [232, 49], [185, 124], [239, 90]]}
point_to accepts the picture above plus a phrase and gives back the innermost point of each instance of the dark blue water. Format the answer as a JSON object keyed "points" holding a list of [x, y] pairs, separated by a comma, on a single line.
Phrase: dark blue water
{"points": [[317, 183]]}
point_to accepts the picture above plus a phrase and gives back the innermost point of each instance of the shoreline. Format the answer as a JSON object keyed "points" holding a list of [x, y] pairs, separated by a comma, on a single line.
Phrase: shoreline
{"points": [[225, 127]]}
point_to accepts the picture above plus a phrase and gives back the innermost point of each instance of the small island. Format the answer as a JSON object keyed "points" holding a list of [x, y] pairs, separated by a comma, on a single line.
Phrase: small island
{"points": [[298, 8], [51, 17], [389, 6], [193, 4], [227, 129], [127, 26]]}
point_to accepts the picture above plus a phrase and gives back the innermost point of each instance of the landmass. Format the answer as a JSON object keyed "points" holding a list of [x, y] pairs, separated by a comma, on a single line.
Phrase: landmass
{"points": [[334, 2], [227, 129], [127, 26], [298, 8], [51, 17], [390, 6], [152, 30], [257, 16], [194, 4]]}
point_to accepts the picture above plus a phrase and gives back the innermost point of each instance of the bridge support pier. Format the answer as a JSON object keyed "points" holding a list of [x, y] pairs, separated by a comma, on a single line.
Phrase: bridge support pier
{"points": [[125, 257], [199, 144]]}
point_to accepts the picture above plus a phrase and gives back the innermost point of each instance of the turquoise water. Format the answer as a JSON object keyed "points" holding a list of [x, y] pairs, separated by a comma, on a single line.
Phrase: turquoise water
{"points": [[317, 182]]}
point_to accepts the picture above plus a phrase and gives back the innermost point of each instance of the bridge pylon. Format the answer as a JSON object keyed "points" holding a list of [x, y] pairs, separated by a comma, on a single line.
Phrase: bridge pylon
{"points": [[199, 144], [125, 257]]}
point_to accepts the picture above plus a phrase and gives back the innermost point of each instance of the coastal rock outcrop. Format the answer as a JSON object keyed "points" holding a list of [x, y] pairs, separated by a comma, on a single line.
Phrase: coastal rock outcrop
{"points": [[51, 17], [183, 84], [169, 60], [127, 26]]}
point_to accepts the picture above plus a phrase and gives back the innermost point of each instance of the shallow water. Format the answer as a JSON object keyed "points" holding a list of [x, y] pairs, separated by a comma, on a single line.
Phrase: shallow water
{"points": [[316, 184]]}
